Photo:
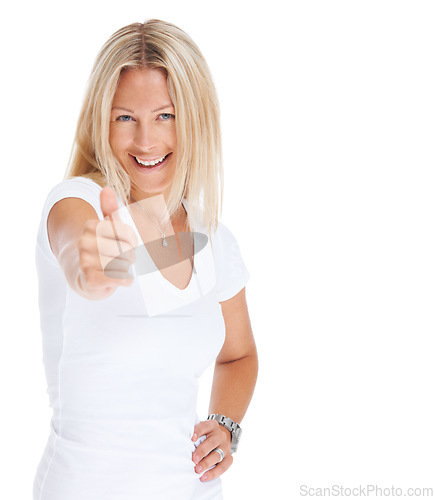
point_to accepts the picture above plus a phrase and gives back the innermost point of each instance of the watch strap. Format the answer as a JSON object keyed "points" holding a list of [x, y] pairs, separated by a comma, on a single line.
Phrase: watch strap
{"points": [[231, 426]]}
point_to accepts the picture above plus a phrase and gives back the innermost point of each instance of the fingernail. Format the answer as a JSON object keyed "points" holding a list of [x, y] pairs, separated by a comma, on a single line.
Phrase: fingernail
{"points": [[194, 437], [203, 477], [199, 468]]}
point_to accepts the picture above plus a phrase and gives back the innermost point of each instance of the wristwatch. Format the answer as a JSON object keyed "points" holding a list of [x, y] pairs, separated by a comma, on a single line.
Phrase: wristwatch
{"points": [[231, 426]]}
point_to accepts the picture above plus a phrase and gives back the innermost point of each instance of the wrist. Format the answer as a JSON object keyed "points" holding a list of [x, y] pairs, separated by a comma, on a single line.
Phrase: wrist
{"points": [[232, 428], [227, 432]]}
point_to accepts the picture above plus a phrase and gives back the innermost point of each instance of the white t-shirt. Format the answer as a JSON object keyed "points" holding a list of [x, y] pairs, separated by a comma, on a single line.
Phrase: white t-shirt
{"points": [[122, 373]]}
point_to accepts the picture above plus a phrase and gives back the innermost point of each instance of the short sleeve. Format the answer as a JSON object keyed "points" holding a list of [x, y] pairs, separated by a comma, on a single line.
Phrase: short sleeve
{"points": [[231, 271], [76, 187]]}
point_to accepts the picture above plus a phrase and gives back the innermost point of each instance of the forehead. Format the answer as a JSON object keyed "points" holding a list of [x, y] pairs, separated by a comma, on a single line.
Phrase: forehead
{"points": [[142, 88]]}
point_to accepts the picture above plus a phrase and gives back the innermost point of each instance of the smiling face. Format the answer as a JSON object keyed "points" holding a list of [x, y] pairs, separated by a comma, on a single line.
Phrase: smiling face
{"points": [[143, 133]]}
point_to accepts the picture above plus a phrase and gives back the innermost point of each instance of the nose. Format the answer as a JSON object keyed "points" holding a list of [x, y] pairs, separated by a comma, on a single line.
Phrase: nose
{"points": [[145, 137]]}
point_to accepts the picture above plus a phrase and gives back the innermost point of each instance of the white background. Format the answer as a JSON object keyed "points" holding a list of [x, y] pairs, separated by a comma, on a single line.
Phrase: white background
{"points": [[327, 116]]}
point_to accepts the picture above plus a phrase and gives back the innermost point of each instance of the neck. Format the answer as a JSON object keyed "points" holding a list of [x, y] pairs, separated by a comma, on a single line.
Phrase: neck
{"points": [[157, 207]]}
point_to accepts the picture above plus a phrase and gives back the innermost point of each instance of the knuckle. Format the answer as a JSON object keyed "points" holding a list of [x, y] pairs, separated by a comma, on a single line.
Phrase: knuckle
{"points": [[101, 227], [87, 225], [83, 258], [215, 440], [91, 225], [90, 277], [84, 244], [81, 244]]}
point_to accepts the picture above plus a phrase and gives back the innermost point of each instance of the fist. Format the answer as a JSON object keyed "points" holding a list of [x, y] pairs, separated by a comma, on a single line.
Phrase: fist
{"points": [[106, 250]]}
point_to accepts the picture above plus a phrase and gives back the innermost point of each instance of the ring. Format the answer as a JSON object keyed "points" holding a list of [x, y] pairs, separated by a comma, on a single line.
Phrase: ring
{"points": [[220, 452]]}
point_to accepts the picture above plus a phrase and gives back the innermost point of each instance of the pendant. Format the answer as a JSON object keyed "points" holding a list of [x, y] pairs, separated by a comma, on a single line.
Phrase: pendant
{"points": [[165, 242]]}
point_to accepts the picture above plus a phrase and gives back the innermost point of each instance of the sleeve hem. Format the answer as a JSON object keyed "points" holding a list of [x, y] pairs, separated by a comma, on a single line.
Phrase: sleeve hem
{"points": [[71, 188], [235, 288]]}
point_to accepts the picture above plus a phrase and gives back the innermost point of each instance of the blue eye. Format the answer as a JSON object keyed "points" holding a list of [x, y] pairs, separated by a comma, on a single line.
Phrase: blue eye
{"points": [[166, 116], [121, 118]]}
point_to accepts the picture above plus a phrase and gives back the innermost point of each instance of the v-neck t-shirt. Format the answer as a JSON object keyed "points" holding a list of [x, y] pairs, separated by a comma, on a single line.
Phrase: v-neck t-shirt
{"points": [[123, 372]]}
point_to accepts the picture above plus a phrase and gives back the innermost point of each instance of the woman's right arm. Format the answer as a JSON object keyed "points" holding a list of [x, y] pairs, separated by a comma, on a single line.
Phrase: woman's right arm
{"points": [[83, 244]]}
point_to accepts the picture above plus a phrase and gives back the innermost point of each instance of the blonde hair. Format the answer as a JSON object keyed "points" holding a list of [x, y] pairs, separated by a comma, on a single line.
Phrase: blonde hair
{"points": [[198, 176]]}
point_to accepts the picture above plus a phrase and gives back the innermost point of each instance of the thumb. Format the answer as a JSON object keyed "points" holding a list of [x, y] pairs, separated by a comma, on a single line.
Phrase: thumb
{"points": [[108, 202]]}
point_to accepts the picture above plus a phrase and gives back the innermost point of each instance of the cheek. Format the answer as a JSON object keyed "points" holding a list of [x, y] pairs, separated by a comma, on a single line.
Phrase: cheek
{"points": [[117, 140], [173, 139], [112, 137]]}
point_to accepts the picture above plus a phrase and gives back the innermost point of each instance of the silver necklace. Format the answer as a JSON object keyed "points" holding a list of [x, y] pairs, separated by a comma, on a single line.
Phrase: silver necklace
{"points": [[163, 235]]}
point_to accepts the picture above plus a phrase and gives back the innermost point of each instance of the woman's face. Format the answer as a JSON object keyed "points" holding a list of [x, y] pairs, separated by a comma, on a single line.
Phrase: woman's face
{"points": [[142, 129]]}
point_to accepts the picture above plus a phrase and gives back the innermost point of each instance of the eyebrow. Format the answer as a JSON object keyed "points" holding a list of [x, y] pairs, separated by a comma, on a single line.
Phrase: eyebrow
{"points": [[168, 105], [123, 109]]}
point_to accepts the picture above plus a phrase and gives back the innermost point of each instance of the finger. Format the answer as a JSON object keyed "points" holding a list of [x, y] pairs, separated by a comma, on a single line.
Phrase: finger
{"points": [[124, 232], [117, 264], [211, 457], [117, 276], [110, 249], [96, 279], [213, 440], [203, 427], [109, 207], [109, 204], [218, 469], [115, 267]]}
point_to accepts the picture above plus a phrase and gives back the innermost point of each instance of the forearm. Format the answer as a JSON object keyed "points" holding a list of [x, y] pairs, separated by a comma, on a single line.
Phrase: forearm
{"points": [[232, 387], [68, 259]]}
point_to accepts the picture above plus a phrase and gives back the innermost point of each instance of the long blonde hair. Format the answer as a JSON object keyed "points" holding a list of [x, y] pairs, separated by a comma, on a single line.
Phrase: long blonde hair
{"points": [[199, 173]]}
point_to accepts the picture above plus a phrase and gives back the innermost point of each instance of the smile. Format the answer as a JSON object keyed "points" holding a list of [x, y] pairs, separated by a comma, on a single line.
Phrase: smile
{"points": [[150, 163]]}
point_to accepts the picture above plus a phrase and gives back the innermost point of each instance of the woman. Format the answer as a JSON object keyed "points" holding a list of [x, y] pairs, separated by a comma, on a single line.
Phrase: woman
{"points": [[141, 287]]}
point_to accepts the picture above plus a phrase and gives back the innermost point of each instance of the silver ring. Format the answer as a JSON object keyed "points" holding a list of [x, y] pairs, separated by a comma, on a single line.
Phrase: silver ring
{"points": [[220, 452]]}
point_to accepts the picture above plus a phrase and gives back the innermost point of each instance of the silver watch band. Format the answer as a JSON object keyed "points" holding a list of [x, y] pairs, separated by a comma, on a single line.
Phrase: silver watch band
{"points": [[231, 426]]}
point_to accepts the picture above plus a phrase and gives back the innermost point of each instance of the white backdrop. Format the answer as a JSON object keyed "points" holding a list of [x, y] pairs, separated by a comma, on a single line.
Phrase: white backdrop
{"points": [[327, 115]]}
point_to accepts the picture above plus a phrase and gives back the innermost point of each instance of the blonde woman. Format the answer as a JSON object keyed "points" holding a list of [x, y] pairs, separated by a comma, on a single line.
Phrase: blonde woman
{"points": [[141, 287]]}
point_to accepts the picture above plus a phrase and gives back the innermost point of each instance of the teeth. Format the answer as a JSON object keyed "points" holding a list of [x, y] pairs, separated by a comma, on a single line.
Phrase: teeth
{"points": [[149, 163]]}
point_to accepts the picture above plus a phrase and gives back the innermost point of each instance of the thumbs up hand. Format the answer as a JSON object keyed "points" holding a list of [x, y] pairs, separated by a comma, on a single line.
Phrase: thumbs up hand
{"points": [[106, 251]]}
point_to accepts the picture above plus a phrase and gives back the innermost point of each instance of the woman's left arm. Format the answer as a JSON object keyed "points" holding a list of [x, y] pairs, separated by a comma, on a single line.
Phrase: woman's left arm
{"points": [[235, 375]]}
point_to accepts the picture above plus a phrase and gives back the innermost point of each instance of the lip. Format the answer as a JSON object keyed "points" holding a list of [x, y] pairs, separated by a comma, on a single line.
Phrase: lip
{"points": [[148, 170]]}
